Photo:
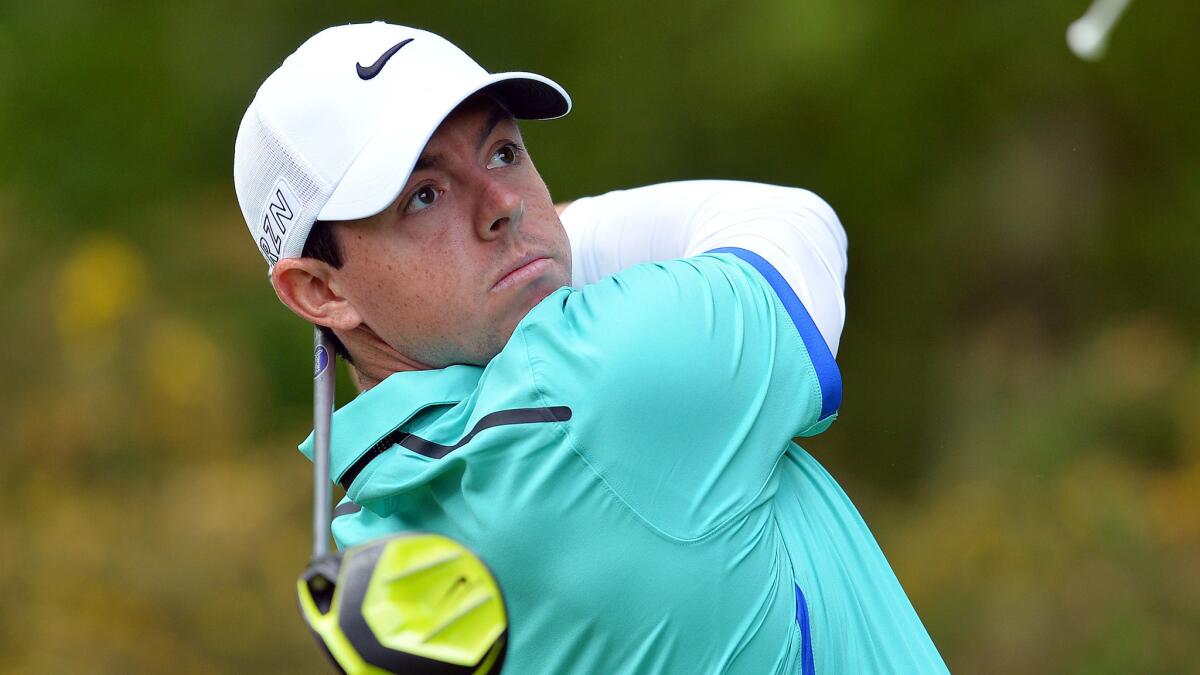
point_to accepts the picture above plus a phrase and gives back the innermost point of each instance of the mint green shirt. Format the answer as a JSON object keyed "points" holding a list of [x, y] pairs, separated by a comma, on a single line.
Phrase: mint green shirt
{"points": [[626, 468]]}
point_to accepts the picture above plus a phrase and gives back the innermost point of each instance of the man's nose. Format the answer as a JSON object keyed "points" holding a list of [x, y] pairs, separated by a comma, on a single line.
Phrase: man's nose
{"points": [[503, 209]]}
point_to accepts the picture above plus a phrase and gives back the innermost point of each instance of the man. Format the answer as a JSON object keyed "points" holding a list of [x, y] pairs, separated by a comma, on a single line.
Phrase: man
{"points": [[614, 439]]}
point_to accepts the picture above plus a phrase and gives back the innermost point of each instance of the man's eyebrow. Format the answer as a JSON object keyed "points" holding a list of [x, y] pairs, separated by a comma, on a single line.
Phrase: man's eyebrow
{"points": [[427, 162], [432, 161], [498, 115], [494, 118]]}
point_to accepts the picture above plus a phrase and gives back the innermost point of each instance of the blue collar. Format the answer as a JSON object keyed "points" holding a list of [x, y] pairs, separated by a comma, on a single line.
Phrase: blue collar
{"points": [[379, 411]]}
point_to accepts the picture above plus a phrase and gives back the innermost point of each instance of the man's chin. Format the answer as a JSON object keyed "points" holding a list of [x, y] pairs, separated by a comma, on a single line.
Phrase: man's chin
{"points": [[523, 300], [531, 299]]}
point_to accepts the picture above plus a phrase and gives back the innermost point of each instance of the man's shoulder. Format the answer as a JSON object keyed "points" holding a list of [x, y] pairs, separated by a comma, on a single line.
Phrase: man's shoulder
{"points": [[648, 338], [646, 289], [640, 310]]}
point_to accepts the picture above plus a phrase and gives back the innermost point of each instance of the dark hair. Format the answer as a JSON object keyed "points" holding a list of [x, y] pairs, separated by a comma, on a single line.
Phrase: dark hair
{"points": [[322, 245]]}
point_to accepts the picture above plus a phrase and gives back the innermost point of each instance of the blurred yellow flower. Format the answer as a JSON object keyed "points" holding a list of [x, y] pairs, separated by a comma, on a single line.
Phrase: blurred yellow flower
{"points": [[100, 282], [183, 395]]}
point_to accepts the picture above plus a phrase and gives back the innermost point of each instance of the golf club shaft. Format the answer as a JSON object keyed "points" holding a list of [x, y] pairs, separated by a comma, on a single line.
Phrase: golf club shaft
{"points": [[323, 388]]}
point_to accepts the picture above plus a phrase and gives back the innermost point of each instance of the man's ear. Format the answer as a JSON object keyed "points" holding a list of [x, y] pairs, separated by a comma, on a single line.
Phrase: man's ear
{"points": [[306, 286]]}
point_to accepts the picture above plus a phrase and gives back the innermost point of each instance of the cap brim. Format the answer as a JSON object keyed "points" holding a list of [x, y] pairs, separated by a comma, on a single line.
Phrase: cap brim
{"points": [[529, 96], [376, 177]]}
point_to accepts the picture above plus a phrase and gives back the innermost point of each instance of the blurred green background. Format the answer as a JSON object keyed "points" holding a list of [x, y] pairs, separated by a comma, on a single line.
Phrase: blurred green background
{"points": [[1021, 425]]}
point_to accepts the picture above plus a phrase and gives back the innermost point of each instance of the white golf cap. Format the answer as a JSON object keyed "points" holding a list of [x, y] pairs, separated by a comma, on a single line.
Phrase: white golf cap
{"points": [[334, 132]]}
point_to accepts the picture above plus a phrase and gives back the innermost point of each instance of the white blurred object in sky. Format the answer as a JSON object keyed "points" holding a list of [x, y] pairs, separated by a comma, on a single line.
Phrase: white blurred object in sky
{"points": [[1088, 35]]}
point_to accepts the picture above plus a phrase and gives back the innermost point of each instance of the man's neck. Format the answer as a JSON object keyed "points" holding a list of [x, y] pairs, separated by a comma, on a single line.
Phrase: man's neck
{"points": [[362, 381], [375, 360]]}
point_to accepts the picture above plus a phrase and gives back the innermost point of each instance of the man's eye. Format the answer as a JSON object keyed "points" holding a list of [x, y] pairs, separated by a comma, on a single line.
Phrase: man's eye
{"points": [[507, 155], [421, 199]]}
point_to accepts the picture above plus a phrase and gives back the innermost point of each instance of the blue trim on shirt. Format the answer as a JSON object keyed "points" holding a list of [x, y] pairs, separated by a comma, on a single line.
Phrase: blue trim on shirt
{"points": [[808, 665], [828, 374]]}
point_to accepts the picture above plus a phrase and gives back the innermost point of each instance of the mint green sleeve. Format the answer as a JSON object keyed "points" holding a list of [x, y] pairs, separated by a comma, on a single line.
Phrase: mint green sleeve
{"points": [[687, 380]]}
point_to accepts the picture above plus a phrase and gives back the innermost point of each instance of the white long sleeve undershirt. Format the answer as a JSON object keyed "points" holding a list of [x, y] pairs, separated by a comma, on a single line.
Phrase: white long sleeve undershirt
{"points": [[791, 228]]}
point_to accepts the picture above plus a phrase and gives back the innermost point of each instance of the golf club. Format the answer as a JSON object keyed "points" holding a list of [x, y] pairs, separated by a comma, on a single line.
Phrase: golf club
{"points": [[411, 602]]}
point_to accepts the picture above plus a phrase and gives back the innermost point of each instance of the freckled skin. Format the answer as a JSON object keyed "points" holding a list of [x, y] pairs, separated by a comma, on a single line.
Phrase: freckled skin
{"points": [[422, 280]]}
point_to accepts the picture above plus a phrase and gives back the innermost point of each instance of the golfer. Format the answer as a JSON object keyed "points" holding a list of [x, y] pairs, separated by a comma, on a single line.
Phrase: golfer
{"points": [[602, 405]]}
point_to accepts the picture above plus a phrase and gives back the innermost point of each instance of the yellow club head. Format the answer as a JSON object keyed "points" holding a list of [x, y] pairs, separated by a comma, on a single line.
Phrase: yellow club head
{"points": [[414, 602]]}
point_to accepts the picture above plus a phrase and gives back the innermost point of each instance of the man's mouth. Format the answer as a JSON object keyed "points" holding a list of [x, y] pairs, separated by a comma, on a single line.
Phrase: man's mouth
{"points": [[523, 271]]}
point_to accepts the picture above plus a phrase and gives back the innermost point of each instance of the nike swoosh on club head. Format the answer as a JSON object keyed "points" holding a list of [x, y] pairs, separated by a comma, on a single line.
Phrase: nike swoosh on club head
{"points": [[372, 70]]}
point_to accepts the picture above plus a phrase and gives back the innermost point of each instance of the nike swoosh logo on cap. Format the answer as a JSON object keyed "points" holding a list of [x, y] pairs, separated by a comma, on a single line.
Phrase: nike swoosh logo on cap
{"points": [[372, 70]]}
